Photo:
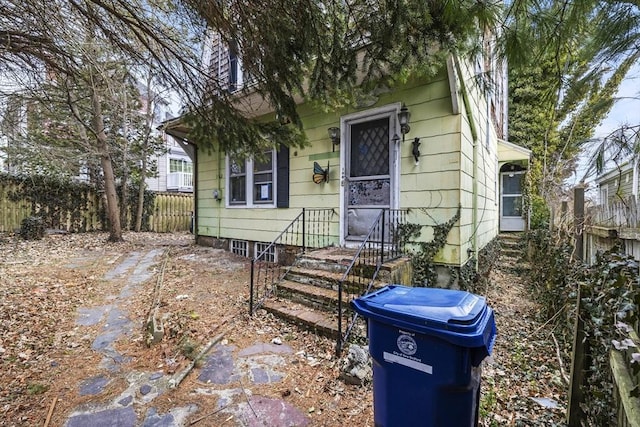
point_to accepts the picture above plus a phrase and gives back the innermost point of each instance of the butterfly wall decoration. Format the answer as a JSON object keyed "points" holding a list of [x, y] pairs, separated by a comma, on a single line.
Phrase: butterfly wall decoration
{"points": [[320, 175]]}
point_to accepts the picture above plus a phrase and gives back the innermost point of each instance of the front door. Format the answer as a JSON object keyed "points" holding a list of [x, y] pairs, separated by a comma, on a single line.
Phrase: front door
{"points": [[369, 174], [511, 203]]}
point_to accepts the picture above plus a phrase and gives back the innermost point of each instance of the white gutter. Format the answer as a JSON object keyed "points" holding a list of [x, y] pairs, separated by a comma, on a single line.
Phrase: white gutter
{"points": [[474, 134]]}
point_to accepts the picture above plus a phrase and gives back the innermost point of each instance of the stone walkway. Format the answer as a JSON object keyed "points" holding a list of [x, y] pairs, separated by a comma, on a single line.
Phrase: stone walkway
{"points": [[224, 369]]}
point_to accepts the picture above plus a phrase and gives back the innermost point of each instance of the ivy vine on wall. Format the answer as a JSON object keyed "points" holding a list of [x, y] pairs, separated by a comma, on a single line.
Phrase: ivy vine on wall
{"points": [[424, 269], [610, 295]]}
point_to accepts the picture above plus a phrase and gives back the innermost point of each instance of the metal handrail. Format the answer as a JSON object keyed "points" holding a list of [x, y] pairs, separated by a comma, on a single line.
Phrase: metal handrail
{"points": [[310, 228], [372, 244]]}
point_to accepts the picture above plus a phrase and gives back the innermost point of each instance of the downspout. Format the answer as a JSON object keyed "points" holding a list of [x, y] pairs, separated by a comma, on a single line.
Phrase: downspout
{"points": [[195, 192], [634, 178], [474, 135], [219, 197]]}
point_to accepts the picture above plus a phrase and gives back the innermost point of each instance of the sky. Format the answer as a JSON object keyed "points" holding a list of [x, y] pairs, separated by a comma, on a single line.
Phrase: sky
{"points": [[626, 111]]}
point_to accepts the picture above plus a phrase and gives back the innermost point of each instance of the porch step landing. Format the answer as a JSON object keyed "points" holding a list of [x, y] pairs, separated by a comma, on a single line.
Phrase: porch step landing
{"points": [[318, 321]]}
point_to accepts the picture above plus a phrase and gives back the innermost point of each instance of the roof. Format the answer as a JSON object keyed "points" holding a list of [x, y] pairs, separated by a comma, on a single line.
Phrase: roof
{"points": [[176, 128], [509, 152], [615, 171]]}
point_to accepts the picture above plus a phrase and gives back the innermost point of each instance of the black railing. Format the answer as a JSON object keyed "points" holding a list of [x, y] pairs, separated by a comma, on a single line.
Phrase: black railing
{"points": [[310, 229], [381, 244]]}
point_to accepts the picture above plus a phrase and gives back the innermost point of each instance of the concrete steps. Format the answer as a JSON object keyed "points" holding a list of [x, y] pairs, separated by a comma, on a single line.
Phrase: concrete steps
{"points": [[318, 321], [512, 254], [308, 295]]}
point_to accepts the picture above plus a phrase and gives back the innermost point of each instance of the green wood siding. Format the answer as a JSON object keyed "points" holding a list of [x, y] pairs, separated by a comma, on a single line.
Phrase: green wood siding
{"points": [[442, 180]]}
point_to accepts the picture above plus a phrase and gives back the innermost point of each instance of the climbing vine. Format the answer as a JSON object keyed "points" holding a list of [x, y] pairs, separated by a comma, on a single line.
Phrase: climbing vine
{"points": [[53, 200], [610, 296], [424, 269], [66, 204], [472, 280]]}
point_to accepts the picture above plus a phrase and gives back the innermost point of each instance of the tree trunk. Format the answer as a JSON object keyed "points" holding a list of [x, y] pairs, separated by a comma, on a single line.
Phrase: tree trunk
{"points": [[141, 188], [124, 182], [145, 148], [124, 185], [113, 212]]}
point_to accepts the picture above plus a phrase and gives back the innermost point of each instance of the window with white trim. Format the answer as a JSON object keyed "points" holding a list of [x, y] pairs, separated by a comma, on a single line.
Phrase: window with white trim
{"points": [[235, 69], [180, 165], [270, 255], [239, 247], [251, 181], [237, 181], [604, 195]]}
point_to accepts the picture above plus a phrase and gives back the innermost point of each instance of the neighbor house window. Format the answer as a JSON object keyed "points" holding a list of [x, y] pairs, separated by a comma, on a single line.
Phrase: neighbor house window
{"points": [[260, 181], [180, 165]]}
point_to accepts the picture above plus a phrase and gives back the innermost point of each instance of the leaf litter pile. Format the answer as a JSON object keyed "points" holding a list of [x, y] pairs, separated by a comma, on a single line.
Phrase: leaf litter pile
{"points": [[201, 295]]}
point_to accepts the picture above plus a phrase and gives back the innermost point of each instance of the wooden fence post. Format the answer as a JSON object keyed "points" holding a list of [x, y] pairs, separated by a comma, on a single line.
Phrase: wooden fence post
{"points": [[578, 221], [580, 348]]}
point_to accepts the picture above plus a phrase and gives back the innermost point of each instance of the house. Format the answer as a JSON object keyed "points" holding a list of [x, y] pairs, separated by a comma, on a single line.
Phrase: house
{"points": [[619, 183], [174, 169], [615, 221], [426, 147]]}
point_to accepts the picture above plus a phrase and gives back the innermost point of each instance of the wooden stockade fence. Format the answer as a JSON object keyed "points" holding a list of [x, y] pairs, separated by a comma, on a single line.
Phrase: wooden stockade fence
{"points": [[171, 212], [12, 213]]}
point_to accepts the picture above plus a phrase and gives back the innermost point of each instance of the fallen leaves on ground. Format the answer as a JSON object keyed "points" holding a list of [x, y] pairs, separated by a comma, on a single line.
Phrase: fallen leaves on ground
{"points": [[45, 355], [522, 381]]}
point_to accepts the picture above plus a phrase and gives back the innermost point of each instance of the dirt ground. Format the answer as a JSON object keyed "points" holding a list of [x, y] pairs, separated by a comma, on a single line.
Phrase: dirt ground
{"points": [[44, 355]]}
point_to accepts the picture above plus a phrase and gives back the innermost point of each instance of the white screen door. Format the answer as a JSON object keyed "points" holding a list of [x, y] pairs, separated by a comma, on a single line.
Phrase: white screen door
{"points": [[368, 174], [511, 211]]}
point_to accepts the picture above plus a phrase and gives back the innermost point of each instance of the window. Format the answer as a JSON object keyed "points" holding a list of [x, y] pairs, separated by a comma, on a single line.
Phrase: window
{"points": [[235, 70], [263, 179], [604, 196], [180, 165], [237, 182], [261, 182], [239, 247], [269, 256], [251, 181]]}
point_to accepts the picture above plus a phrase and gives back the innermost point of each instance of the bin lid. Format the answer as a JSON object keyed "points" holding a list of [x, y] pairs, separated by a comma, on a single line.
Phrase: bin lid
{"points": [[459, 317]]}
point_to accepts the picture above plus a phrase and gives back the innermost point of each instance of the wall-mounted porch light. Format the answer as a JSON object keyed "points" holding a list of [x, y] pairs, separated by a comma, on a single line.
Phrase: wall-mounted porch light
{"points": [[403, 118], [334, 134]]}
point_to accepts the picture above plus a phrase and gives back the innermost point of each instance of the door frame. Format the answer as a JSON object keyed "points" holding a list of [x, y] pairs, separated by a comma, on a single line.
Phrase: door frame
{"points": [[511, 223], [389, 110]]}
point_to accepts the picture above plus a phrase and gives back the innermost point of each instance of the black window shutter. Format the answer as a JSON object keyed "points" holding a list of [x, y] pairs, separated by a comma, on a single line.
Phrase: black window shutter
{"points": [[282, 194]]}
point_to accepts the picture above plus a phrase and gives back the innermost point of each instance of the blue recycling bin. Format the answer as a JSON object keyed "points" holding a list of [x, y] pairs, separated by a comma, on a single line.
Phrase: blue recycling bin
{"points": [[427, 345]]}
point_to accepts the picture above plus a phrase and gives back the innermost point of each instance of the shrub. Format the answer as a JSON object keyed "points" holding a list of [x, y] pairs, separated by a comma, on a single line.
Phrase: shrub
{"points": [[32, 228]]}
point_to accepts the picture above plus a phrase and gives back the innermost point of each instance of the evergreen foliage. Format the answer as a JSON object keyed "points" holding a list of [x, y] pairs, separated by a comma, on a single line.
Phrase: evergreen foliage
{"points": [[576, 56], [32, 228]]}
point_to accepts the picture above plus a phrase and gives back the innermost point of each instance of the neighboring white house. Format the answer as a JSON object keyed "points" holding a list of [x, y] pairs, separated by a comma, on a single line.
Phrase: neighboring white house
{"points": [[619, 183], [174, 169]]}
